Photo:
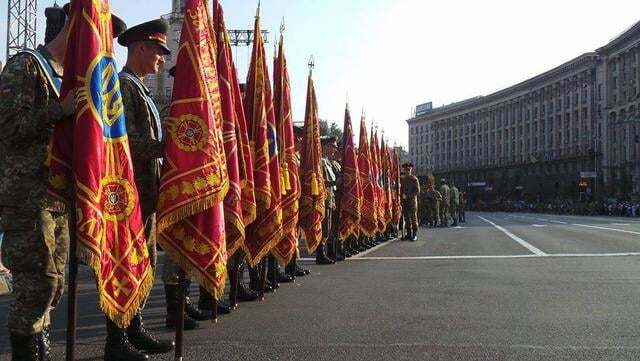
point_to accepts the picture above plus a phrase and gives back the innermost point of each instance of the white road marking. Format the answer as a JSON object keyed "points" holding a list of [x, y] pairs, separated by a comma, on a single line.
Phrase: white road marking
{"points": [[605, 228], [620, 224], [521, 241], [538, 225], [558, 222], [557, 255], [459, 227]]}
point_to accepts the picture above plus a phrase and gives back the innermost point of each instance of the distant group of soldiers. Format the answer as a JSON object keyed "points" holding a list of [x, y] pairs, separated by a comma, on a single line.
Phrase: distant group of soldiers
{"points": [[442, 207], [427, 206]]}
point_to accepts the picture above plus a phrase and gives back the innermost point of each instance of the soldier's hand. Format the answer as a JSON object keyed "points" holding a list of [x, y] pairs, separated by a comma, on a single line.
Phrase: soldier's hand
{"points": [[68, 104]]}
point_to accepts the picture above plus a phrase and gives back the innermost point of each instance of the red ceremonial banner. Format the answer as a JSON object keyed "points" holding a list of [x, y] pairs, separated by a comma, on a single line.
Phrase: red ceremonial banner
{"points": [[286, 249], [375, 164], [368, 214], [311, 178], [194, 178], [93, 149], [239, 203], [386, 182], [265, 232], [351, 200]]}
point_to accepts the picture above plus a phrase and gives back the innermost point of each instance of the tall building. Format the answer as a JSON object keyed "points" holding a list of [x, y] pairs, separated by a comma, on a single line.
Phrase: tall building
{"points": [[544, 137], [161, 84]]}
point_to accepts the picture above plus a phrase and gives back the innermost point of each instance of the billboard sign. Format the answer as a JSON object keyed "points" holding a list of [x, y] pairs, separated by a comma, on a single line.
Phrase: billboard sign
{"points": [[424, 108]]}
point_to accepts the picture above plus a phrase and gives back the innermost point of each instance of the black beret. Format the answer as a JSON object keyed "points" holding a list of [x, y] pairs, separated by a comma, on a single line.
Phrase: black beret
{"points": [[298, 131], [407, 165], [154, 30]]}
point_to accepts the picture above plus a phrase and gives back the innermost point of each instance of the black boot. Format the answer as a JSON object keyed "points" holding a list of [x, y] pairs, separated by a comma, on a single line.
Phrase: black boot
{"points": [[414, 235], [301, 272], [290, 269], [25, 348], [331, 250], [118, 347], [191, 309], [171, 296], [282, 277], [321, 257], [144, 341], [205, 301], [44, 342], [340, 254], [223, 308], [255, 281], [246, 294]]}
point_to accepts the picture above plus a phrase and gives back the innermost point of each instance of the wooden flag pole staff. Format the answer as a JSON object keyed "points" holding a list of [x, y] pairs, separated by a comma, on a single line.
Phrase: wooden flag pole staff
{"points": [[180, 323], [263, 277], [234, 279], [73, 289]]}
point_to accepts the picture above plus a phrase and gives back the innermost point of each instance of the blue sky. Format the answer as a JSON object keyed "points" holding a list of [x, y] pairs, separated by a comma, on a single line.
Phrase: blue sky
{"points": [[389, 56]]}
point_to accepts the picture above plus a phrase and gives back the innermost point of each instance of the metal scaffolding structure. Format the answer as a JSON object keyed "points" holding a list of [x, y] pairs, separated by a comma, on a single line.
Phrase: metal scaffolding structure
{"points": [[21, 25], [245, 37]]}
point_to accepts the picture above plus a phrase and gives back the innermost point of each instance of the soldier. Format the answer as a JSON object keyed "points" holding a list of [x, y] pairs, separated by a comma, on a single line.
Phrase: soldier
{"points": [[462, 206], [409, 192], [435, 210], [336, 247], [329, 147], [445, 203], [35, 225], [423, 205], [454, 201], [146, 48]]}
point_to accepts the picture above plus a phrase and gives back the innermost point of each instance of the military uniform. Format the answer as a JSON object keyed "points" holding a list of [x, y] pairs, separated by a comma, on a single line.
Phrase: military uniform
{"points": [[36, 235], [335, 250], [329, 207], [410, 190], [444, 205], [461, 208], [454, 201], [147, 149], [144, 130]]}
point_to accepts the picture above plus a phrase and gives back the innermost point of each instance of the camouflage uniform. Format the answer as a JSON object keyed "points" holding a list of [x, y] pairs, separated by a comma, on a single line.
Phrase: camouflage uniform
{"points": [[436, 207], [444, 205], [461, 207], [147, 149], [36, 234], [410, 190], [454, 202]]}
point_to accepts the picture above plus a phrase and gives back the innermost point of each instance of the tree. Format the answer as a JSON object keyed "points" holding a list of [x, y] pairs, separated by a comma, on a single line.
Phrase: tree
{"points": [[329, 128]]}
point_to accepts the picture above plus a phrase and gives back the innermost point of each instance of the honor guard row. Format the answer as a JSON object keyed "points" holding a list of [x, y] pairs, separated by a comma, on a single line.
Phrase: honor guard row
{"points": [[35, 224]]}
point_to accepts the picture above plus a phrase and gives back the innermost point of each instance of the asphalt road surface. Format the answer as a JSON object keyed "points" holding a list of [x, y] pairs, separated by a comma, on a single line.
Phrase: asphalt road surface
{"points": [[500, 287]]}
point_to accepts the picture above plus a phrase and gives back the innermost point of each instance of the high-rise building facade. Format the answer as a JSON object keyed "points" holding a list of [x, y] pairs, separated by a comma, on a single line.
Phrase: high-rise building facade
{"points": [[573, 126]]}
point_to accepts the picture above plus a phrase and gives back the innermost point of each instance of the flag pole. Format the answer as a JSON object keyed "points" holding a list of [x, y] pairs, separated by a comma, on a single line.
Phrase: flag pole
{"points": [[72, 290], [234, 279], [180, 324]]}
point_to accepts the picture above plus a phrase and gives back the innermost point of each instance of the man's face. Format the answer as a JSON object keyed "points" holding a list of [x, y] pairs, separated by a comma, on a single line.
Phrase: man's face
{"points": [[408, 170], [151, 57]]}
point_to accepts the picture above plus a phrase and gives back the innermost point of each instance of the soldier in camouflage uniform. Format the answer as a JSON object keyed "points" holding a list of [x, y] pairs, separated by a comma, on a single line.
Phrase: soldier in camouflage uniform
{"points": [[434, 210], [328, 149], [445, 204], [454, 201], [409, 193], [146, 44], [35, 225], [461, 207]]}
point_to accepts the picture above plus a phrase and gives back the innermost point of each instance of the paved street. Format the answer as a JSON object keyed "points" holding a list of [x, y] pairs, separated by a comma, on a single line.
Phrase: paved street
{"points": [[501, 287]]}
